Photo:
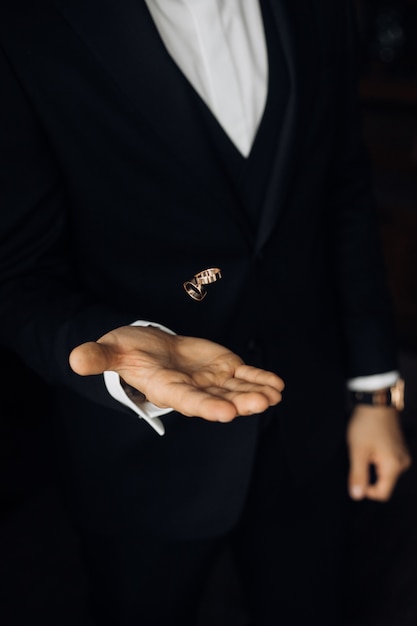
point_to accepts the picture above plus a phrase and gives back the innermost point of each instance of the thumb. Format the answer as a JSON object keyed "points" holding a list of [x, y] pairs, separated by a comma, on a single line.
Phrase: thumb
{"points": [[89, 358], [358, 474]]}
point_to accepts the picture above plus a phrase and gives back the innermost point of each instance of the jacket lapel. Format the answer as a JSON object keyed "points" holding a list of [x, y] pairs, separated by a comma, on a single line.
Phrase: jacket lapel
{"points": [[294, 27], [124, 38], [126, 41]]}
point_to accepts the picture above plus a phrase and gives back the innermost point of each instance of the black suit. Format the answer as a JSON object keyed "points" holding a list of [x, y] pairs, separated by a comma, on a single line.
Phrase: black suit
{"points": [[114, 195]]}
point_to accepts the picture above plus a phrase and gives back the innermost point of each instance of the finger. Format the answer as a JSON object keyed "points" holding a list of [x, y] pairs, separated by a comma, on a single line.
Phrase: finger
{"points": [[247, 393], [248, 402], [193, 402], [90, 358], [386, 477], [252, 403], [259, 376], [387, 474], [213, 403], [358, 478], [381, 490]]}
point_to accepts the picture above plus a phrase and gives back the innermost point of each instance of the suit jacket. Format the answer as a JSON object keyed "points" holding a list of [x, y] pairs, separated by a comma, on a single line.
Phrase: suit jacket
{"points": [[112, 198]]}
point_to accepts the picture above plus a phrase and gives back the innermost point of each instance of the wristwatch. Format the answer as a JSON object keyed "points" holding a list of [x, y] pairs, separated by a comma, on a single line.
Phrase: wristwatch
{"points": [[388, 396]]}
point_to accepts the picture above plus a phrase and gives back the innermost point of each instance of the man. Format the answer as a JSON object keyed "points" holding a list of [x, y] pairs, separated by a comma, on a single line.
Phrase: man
{"points": [[187, 227]]}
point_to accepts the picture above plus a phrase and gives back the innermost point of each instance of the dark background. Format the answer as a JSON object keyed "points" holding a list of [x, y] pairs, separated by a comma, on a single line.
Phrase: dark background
{"points": [[41, 576]]}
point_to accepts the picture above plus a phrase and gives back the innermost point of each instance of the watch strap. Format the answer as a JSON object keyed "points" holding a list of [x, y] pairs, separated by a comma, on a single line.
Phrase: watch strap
{"points": [[389, 396]]}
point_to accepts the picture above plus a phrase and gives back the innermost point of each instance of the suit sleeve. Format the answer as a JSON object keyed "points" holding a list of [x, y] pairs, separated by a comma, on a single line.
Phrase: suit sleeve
{"points": [[43, 313], [364, 299]]}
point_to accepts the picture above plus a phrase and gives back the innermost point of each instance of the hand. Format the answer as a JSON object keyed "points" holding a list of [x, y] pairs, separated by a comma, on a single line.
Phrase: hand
{"points": [[375, 437], [193, 376]]}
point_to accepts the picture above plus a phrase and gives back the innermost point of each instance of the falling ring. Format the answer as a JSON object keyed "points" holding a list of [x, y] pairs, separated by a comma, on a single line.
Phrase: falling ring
{"points": [[195, 290], [205, 277], [194, 287]]}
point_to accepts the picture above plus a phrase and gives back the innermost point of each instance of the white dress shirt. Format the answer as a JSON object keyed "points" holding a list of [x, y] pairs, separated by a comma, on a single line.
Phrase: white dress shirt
{"points": [[219, 45]]}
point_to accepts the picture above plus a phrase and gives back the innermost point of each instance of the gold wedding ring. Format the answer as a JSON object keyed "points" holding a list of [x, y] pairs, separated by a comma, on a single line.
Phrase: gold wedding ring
{"points": [[194, 290], [194, 287], [205, 277]]}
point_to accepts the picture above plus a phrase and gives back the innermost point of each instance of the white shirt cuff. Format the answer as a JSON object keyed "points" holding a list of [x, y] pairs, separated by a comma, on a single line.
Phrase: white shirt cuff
{"points": [[373, 383], [145, 410]]}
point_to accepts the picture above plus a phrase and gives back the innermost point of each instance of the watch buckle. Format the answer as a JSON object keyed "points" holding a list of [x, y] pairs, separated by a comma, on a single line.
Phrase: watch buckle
{"points": [[397, 394]]}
